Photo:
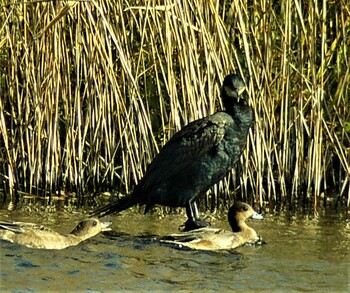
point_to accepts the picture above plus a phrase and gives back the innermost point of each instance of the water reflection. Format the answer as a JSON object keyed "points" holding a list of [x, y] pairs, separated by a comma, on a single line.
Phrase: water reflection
{"points": [[303, 253]]}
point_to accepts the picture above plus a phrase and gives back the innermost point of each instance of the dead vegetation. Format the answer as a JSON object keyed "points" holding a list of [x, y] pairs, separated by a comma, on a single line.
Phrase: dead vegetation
{"points": [[92, 89]]}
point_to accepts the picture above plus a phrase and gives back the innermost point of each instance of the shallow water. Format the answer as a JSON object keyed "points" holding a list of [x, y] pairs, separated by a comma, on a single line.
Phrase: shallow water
{"points": [[302, 253]]}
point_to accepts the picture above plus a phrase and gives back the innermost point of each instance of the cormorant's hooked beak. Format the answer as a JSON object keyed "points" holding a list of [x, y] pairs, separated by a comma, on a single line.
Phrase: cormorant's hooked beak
{"points": [[240, 92], [234, 92]]}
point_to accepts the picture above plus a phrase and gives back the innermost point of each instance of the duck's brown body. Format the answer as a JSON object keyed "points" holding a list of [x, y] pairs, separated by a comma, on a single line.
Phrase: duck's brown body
{"points": [[215, 239], [37, 236]]}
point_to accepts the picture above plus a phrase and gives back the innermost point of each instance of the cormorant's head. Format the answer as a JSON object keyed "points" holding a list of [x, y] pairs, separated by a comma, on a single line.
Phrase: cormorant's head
{"points": [[233, 87]]}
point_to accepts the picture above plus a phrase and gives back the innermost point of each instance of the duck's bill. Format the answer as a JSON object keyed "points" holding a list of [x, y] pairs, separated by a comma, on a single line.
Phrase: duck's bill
{"points": [[257, 216], [105, 226]]}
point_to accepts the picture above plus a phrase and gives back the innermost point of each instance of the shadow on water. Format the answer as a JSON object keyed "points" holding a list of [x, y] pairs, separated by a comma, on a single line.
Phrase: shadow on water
{"points": [[303, 253]]}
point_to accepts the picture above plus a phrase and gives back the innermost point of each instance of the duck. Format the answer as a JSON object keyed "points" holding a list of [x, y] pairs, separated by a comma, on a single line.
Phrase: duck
{"points": [[208, 238], [198, 156], [37, 236]]}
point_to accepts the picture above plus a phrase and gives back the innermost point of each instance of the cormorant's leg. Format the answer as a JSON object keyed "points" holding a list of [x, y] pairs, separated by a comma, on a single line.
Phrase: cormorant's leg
{"points": [[192, 211], [194, 221]]}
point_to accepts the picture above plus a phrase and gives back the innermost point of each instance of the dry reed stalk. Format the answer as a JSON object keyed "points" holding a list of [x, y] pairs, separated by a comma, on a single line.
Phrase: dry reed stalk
{"points": [[92, 90]]}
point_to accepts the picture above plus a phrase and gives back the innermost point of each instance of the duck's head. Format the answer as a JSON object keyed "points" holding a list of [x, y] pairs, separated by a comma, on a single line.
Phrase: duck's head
{"points": [[90, 227], [232, 89], [239, 212]]}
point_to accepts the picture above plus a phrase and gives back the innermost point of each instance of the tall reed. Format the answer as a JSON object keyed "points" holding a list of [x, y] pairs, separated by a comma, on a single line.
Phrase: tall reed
{"points": [[92, 89]]}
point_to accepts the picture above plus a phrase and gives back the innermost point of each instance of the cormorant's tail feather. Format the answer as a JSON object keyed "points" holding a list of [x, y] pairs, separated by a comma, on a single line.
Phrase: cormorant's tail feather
{"points": [[116, 207]]}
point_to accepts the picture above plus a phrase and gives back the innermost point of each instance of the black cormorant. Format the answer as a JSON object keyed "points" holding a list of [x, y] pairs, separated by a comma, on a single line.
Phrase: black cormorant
{"points": [[194, 159]]}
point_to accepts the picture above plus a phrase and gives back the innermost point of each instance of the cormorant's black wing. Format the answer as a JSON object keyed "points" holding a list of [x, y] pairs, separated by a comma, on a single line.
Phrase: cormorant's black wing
{"points": [[186, 146]]}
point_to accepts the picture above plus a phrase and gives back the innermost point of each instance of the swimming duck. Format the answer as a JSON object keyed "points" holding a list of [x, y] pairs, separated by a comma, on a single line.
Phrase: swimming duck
{"points": [[208, 238], [37, 236], [195, 158]]}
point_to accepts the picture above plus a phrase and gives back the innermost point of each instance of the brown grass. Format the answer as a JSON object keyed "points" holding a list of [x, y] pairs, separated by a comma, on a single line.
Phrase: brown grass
{"points": [[92, 89]]}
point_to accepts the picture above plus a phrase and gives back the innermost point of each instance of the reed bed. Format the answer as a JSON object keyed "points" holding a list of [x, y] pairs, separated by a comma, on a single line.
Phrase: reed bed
{"points": [[91, 90]]}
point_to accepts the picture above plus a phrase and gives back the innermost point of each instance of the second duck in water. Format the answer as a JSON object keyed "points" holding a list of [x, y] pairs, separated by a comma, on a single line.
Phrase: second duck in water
{"points": [[195, 158], [217, 239]]}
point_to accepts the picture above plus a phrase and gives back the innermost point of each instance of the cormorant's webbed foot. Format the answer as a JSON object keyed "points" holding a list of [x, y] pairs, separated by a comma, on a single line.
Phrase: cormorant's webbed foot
{"points": [[195, 224]]}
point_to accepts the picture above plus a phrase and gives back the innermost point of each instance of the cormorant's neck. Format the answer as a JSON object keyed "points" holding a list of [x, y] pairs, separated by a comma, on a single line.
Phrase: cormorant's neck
{"points": [[241, 112], [229, 103], [234, 106]]}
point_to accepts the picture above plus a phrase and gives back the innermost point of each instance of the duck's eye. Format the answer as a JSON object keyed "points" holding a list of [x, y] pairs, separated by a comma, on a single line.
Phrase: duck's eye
{"points": [[94, 223], [245, 209]]}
